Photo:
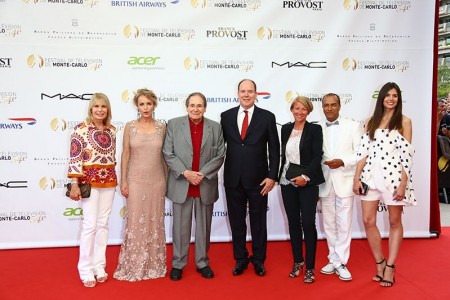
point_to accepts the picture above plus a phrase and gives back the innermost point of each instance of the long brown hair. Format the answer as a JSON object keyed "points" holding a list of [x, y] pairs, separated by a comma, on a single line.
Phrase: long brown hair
{"points": [[396, 120]]}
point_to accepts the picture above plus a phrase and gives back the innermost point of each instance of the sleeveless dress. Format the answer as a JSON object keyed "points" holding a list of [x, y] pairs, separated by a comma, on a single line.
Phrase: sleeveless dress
{"points": [[387, 154], [143, 252]]}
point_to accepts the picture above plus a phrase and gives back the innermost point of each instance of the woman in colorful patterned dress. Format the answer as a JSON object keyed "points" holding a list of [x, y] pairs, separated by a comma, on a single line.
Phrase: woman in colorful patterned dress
{"points": [[143, 184], [385, 161], [92, 161]]}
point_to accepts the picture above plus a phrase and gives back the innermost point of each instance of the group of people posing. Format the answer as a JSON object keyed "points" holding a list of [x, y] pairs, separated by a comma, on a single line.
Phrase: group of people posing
{"points": [[330, 161]]}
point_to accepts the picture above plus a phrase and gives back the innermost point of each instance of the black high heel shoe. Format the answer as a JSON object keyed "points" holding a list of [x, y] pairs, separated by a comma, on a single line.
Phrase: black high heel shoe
{"points": [[309, 276], [297, 269], [389, 283], [377, 277]]}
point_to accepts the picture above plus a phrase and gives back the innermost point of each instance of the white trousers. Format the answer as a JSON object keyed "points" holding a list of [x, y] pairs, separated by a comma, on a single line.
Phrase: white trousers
{"points": [[94, 232], [337, 216]]}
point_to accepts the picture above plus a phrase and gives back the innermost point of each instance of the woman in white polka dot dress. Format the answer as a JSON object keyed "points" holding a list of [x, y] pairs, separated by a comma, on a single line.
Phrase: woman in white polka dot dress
{"points": [[385, 162]]}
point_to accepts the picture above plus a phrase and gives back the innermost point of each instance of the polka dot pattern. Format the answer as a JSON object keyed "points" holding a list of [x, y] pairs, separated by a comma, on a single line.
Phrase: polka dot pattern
{"points": [[394, 153]]}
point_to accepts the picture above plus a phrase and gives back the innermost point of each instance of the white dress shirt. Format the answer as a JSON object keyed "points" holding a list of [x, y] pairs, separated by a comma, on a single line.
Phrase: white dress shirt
{"points": [[332, 134], [241, 115]]}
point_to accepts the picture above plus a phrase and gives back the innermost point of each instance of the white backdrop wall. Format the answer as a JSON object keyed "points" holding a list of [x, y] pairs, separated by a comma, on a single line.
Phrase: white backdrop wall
{"points": [[55, 53]]}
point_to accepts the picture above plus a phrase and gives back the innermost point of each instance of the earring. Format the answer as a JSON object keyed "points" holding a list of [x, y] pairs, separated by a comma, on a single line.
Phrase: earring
{"points": [[153, 115], [138, 115]]}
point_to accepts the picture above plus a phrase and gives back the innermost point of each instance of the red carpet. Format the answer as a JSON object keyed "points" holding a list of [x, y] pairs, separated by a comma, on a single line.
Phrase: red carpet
{"points": [[422, 273]]}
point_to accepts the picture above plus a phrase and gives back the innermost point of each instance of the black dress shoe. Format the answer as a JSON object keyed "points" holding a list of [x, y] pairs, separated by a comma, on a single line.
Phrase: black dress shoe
{"points": [[260, 270], [176, 274], [206, 272], [239, 268]]}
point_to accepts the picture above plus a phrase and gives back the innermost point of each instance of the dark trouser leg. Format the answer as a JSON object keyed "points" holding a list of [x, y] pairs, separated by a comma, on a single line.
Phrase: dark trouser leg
{"points": [[308, 203], [237, 212], [291, 203], [258, 224]]}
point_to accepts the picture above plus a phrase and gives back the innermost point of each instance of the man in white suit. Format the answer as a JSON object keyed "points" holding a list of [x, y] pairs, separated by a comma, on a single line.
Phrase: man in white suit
{"points": [[341, 138]]}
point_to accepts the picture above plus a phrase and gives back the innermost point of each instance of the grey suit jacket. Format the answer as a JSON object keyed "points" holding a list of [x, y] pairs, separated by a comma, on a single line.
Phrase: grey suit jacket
{"points": [[178, 153]]}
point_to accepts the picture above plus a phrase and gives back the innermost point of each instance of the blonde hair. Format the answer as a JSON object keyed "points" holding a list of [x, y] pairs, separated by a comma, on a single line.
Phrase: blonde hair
{"points": [[149, 94], [303, 100], [96, 98]]}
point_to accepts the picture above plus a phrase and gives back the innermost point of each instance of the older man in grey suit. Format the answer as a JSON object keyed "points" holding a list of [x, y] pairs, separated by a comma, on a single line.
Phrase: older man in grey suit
{"points": [[194, 151]]}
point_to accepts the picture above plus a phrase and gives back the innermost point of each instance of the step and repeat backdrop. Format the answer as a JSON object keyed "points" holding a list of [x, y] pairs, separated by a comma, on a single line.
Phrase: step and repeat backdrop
{"points": [[54, 54]]}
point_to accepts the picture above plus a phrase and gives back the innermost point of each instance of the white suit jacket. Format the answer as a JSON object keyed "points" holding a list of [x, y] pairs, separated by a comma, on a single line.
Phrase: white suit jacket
{"points": [[346, 146]]}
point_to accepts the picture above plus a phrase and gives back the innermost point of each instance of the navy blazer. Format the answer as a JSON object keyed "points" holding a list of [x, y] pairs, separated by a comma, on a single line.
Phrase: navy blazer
{"points": [[310, 150], [255, 158]]}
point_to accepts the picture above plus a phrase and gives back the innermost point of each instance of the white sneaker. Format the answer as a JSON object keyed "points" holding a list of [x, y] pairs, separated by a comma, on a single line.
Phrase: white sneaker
{"points": [[343, 273], [328, 269]]}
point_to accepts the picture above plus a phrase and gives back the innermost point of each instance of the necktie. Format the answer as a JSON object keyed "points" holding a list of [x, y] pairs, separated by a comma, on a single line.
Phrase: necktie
{"points": [[332, 123], [244, 125]]}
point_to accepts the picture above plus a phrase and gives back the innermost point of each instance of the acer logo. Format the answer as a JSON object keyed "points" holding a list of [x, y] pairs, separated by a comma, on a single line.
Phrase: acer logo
{"points": [[149, 60], [69, 212], [310, 65], [67, 96]]}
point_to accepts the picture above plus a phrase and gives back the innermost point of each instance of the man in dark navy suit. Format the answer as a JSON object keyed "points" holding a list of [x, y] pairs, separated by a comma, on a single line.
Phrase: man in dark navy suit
{"points": [[250, 173]]}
